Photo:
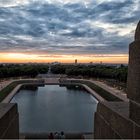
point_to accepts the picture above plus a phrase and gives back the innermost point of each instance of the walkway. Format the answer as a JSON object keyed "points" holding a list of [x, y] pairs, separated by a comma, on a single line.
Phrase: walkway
{"points": [[120, 94], [51, 80], [93, 93], [8, 98], [112, 90]]}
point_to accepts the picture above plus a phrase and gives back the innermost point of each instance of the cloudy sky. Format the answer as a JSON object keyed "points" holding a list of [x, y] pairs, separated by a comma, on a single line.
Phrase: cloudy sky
{"points": [[64, 30]]}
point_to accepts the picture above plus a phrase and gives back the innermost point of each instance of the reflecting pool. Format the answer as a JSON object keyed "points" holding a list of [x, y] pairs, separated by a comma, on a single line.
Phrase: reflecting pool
{"points": [[53, 108]]}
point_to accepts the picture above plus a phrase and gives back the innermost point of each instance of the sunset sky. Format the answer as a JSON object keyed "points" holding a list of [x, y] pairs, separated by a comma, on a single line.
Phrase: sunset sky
{"points": [[65, 30]]}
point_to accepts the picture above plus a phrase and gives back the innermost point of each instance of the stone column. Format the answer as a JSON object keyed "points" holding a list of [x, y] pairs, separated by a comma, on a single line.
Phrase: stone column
{"points": [[133, 80]]}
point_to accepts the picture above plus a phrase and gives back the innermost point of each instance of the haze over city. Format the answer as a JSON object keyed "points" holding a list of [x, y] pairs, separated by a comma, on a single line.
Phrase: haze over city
{"points": [[65, 30]]}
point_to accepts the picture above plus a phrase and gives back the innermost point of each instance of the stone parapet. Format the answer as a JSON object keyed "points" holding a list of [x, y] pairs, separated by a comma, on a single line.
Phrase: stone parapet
{"points": [[133, 80], [135, 111], [137, 33], [9, 121], [112, 121]]}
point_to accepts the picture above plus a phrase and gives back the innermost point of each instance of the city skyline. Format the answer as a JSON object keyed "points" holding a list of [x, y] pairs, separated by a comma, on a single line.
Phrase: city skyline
{"points": [[35, 58], [65, 30]]}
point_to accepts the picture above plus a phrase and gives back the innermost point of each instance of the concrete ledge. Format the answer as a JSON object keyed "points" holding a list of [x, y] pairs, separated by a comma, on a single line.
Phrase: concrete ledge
{"points": [[17, 88], [88, 89], [135, 111], [45, 135], [66, 82], [103, 129], [13, 92], [9, 123], [8, 98], [93, 93], [137, 132], [114, 116], [110, 92]]}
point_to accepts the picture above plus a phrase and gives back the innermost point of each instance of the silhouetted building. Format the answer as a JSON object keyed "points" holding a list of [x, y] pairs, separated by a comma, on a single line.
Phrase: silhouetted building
{"points": [[75, 61]]}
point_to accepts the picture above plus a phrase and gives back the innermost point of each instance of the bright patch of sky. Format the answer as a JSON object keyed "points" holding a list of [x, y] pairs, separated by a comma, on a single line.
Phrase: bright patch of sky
{"points": [[68, 26]]}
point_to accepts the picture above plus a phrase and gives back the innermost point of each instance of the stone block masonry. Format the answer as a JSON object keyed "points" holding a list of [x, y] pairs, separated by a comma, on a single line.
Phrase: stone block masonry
{"points": [[133, 83], [112, 122], [122, 119], [9, 121]]}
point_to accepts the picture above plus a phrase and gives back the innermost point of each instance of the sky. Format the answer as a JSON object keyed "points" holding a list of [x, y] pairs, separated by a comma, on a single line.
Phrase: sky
{"points": [[65, 30]]}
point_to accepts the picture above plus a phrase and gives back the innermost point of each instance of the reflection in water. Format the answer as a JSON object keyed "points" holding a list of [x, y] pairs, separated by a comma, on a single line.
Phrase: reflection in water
{"points": [[53, 108]]}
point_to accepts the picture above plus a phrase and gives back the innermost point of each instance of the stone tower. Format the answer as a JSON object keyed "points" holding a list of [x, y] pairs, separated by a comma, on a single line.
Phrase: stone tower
{"points": [[137, 34], [121, 119], [133, 80]]}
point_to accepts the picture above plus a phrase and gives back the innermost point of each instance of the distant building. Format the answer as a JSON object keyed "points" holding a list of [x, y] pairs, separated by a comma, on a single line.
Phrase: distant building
{"points": [[75, 61], [101, 62], [90, 63]]}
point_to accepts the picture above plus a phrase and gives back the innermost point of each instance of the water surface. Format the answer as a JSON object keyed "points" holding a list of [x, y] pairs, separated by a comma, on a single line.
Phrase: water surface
{"points": [[53, 108]]}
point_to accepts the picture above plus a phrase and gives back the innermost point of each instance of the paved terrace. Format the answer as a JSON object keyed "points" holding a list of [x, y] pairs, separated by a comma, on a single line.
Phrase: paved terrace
{"points": [[118, 93], [13, 92], [56, 81], [52, 80], [8, 98], [112, 90]]}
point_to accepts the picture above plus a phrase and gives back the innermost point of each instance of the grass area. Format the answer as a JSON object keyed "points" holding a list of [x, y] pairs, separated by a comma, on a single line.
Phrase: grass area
{"points": [[5, 91], [103, 93], [117, 84]]}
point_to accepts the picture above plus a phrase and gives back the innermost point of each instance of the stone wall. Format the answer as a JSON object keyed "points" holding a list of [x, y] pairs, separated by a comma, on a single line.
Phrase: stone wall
{"points": [[9, 121], [112, 121], [122, 119]]}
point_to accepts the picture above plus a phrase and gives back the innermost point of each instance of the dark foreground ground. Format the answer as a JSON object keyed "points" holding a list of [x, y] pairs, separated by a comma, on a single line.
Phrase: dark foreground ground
{"points": [[46, 136]]}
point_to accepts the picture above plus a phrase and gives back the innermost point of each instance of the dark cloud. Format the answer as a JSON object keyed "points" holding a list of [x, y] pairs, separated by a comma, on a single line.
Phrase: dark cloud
{"points": [[69, 28]]}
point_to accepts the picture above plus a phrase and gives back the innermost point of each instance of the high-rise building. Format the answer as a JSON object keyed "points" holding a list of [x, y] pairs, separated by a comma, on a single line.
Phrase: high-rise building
{"points": [[75, 61]]}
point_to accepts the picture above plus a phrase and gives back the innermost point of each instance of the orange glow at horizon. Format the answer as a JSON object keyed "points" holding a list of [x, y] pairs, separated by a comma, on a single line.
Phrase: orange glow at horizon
{"points": [[45, 58]]}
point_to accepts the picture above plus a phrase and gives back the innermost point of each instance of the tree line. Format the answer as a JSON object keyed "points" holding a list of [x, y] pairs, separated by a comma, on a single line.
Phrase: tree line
{"points": [[16, 70], [95, 71]]}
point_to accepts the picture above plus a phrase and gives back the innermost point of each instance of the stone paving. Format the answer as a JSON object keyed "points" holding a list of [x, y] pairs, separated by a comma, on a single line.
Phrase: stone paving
{"points": [[112, 90], [4, 83], [120, 94], [52, 80]]}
